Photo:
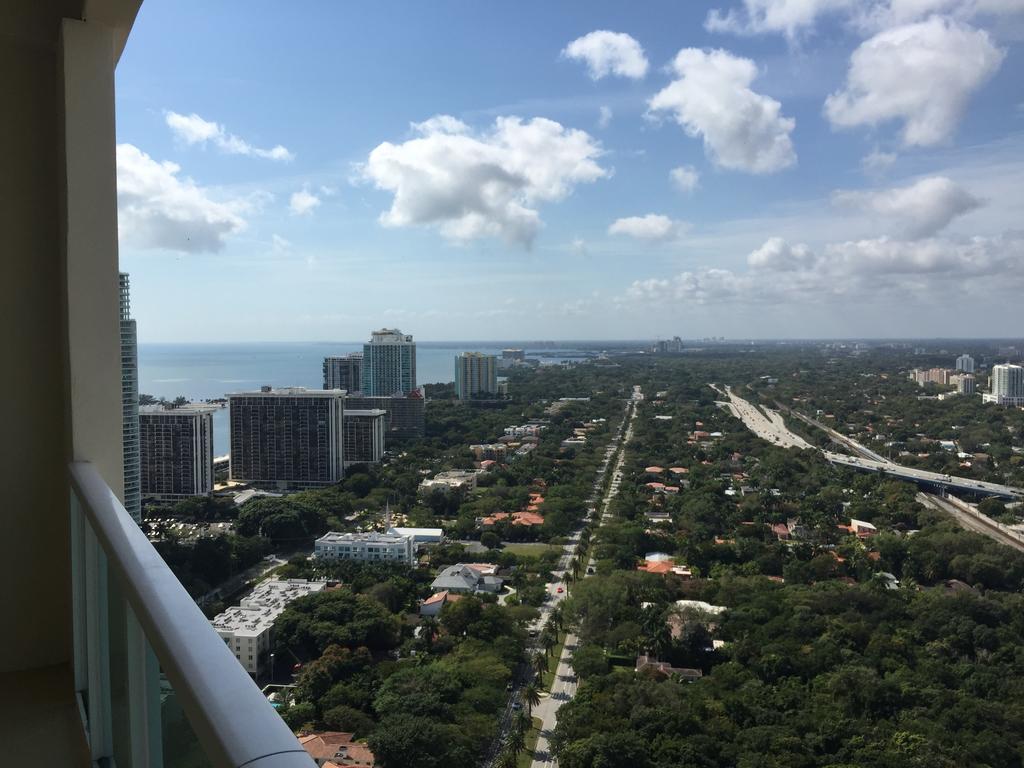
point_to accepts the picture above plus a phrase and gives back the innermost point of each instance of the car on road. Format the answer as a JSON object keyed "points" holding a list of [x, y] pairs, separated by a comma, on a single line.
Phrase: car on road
{"points": [[560, 590], [517, 706]]}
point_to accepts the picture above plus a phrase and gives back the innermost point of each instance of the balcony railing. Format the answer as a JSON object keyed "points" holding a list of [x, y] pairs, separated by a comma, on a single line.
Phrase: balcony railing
{"points": [[156, 685]]}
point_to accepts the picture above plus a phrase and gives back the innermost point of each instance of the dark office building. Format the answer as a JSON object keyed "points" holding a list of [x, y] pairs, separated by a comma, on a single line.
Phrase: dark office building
{"points": [[364, 436], [176, 451], [287, 438], [344, 372], [405, 414]]}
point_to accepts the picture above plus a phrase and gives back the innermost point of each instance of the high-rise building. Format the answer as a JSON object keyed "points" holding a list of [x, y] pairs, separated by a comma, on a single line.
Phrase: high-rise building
{"points": [[406, 414], [389, 363], [176, 451], [965, 363], [1007, 385], [364, 432], [475, 373], [287, 438], [344, 372], [931, 376], [130, 404], [966, 385]]}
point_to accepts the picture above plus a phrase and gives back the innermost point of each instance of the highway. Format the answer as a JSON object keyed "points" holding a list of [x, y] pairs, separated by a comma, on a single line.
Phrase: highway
{"points": [[771, 427], [950, 482], [774, 429]]}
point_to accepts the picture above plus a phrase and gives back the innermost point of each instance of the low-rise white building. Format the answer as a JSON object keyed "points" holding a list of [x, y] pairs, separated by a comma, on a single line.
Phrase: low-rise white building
{"points": [[420, 536], [247, 627], [452, 480], [365, 547]]}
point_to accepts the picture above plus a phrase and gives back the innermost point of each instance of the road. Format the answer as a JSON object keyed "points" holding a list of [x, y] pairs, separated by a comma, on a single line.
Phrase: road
{"points": [[564, 685], [776, 431]]}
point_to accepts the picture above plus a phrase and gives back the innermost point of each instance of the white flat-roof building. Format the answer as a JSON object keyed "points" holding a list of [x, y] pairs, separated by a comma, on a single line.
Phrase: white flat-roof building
{"points": [[420, 535], [247, 627], [366, 547], [454, 479], [1007, 385]]}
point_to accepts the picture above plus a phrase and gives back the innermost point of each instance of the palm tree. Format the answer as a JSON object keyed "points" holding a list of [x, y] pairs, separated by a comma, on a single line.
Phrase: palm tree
{"points": [[428, 629], [522, 726], [540, 664], [531, 697], [507, 759], [548, 640]]}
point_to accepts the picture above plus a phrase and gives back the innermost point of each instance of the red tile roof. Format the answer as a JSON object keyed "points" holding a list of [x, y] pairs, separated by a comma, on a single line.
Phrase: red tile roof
{"points": [[336, 748]]}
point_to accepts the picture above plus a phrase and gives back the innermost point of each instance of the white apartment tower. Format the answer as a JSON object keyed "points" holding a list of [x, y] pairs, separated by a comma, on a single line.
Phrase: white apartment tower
{"points": [[389, 363], [1007, 385], [965, 363], [475, 373]]}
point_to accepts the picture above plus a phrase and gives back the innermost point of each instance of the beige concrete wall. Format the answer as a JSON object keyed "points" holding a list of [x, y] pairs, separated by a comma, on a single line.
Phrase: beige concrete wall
{"points": [[58, 281], [34, 436]]}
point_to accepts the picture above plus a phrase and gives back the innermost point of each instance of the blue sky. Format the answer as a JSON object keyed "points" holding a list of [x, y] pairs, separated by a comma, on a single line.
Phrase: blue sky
{"points": [[309, 171]]}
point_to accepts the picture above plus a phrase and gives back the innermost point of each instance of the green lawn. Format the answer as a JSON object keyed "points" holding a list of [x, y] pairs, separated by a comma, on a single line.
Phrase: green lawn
{"points": [[525, 758], [529, 549], [556, 654]]}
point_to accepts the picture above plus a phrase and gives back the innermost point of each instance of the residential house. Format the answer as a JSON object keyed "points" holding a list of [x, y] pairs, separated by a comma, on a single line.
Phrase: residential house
{"points": [[334, 748], [468, 578]]}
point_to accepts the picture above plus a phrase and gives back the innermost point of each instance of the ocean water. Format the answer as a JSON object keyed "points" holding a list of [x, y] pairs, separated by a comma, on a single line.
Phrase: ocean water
{"points": [[206, 371]]}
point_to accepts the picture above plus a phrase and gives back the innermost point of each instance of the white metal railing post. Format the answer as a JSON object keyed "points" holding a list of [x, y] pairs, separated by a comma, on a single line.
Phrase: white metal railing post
{"points": [[78, 619], [143, 696], [97, 648]]}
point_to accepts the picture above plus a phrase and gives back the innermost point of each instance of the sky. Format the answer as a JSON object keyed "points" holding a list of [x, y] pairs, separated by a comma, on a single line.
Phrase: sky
{"points": [[599, 170]]}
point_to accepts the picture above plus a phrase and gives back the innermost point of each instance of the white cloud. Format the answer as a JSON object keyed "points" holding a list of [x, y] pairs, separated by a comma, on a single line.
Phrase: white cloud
{"points": [[794, 18], [279, 244], [685, 177], [922, 74], [877, 162], [193, 129], [653, 226], [303, 202], [604, 118], [955, 259], [918, 210], [889, 13], [609, 53], [472, 185], [856, 270], [789, 17], [777, 255], [578, 246], [742, 130], [157, 209]]}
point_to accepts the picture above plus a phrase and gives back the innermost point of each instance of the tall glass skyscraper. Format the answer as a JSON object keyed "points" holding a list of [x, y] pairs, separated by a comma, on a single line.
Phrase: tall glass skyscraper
{"points": [[389, 363], [130, 405]]}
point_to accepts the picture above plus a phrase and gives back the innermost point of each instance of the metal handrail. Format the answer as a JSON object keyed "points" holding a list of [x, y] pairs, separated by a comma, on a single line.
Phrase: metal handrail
{"points": [[234, 723]]}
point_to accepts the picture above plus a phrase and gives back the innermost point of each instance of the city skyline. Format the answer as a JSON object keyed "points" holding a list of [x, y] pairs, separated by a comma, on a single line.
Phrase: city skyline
{"points": [[826, 194]]}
